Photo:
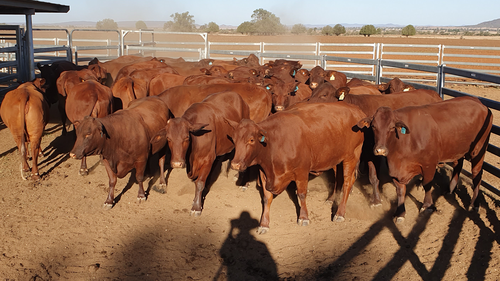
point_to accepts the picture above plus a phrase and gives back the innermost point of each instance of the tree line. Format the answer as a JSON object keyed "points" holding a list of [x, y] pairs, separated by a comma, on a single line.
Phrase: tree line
{"points": [[262, 22]]}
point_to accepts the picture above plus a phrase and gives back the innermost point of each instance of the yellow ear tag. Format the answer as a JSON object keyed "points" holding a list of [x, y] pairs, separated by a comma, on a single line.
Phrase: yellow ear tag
{"points": [[332, 77], [342, 96]]}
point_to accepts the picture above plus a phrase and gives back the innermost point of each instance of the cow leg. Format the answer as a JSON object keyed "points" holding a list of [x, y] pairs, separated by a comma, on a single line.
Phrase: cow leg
{"points": [[161, 163], [301, 193], [349, 178], [25, 168], [428, 176], [199, 183], [110, 201], [140, 168], [374, 181], [83, 167], [400, 210], [62, 112], [333, 186], [477, 174], [456, 173], [35, 149], [267, 200]]}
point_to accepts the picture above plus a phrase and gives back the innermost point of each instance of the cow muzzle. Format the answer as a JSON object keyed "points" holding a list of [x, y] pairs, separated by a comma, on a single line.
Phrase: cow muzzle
{"points": [[380, 151], [238, 166], [313, 85], [178, 164], [279, 108]]}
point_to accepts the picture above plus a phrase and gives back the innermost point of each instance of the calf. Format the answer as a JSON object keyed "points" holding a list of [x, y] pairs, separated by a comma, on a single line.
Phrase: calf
{"points": [[309, 137], [122, 140], [25, 112], [415, 139], [202, 129]]}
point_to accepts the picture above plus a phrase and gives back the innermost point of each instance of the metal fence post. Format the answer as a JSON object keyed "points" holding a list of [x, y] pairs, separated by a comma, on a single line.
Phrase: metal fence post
{"points": [[440, 80], [378, 71]]}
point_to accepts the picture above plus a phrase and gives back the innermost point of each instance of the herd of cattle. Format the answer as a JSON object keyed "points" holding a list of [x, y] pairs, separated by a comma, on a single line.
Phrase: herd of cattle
{"points": [[288, 120]]}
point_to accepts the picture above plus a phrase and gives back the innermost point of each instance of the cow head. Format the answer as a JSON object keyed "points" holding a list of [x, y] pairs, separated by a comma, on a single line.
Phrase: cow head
{"points": [[177, 134], [281, 92], [387, 129], [90, 137], [302, 75], [316, 77], [249, 139], [324, 93]]}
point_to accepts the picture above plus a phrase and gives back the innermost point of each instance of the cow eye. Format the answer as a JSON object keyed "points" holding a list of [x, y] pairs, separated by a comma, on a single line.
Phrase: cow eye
{"points": [[87, 135], [251, 141]]}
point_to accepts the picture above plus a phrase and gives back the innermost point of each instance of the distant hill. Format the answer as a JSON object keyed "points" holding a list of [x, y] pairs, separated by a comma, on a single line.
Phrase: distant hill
{"points": [[487, 24]]}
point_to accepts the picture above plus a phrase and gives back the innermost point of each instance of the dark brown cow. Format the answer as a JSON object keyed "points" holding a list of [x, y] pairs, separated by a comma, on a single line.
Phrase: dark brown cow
{"points": [[179, 98], [84, 98], [318, 76], [395, 86], [286, 94], [122, 140], [51, 72], [415, 139], [202, 128], [26, 112], [309, 137]]}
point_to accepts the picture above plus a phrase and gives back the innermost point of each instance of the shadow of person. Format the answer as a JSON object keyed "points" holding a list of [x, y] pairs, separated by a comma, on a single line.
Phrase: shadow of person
{"points": [[245, 258]]}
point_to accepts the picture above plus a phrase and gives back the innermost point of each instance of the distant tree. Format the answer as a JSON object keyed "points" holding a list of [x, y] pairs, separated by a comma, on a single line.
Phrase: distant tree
{"points": [[106, 24], [267, 23], [140, 25], [338, 29], [246, 28], [367, 30], [181, 22], [211, 27], [298, 29], [327, 30], [408, 30]]}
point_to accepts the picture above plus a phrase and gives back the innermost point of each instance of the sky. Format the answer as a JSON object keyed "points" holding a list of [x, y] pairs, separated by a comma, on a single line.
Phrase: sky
{"points": [[290, 12]]}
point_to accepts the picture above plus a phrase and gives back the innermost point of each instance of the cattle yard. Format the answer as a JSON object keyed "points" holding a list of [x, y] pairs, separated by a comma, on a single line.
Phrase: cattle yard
{"points": [[56, 228]]}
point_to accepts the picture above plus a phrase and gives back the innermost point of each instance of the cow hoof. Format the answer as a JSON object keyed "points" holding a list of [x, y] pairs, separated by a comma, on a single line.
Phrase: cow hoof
{"points": [[262, 230], [338, 218], [427, 210], [303, 222], [473, 209], [400, 220], [160, 188], [141, 199], [243, 187], [375, 205], [195, 213], [235, 178], [107, 206], [35, 177], [83, 172], [25, 175]]}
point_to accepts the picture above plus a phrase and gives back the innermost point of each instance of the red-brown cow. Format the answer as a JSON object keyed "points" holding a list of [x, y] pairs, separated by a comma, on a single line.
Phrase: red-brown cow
{"points": [[112, 67], [163, 82], [122, 140], [179, 98], [286, 94], [144, 65], [202, 128], [415, 139], [128, 89], [26, 112], [395, 86], [309, 137], [84, 98], [318, 76]]}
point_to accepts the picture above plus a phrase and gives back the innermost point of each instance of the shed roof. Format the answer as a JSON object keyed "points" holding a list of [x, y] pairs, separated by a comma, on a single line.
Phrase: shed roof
{"points": [[30, 7]]}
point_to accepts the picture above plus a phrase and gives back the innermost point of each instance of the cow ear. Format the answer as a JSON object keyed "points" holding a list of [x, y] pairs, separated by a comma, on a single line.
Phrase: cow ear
{"points": [[383, 87], [196, 127], [365, 122], [402, 128], [159, 140], [341, 93], [262, 137], [408, 88], [231, 123]]}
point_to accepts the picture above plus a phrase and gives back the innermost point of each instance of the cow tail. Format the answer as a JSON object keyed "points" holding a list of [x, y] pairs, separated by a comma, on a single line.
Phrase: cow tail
{"points": [[23, 110], [131, 90]]}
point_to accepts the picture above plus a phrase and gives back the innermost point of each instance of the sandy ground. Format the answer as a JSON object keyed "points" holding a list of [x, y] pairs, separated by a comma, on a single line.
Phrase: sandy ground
{"points": [[57, 228]]}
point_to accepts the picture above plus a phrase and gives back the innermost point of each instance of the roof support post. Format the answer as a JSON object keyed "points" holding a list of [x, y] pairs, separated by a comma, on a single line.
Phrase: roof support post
{"points": [[29, 49]]}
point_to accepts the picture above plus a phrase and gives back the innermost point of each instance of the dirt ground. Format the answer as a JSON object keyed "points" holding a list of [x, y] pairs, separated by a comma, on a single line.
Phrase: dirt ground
{"points": [[57, 228]]}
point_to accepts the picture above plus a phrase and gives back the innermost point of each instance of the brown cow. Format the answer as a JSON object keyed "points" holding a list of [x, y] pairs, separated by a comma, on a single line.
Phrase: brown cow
{"points": [[286, 94], [318, 76], [202, 129], [143, 65], [309, 137], [51, 72], [128, 89], [84, 98], [164, 81], [122, 140], [415, 139], [112, 67], [395, 86], [179, 98], [25, 112]]}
